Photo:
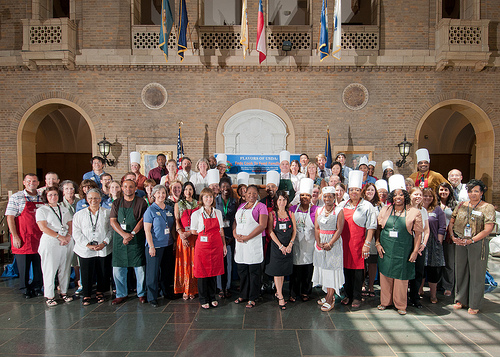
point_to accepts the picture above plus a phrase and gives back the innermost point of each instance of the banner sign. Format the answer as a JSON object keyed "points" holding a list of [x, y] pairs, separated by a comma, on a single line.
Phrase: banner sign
{"points": [[255, 164]]}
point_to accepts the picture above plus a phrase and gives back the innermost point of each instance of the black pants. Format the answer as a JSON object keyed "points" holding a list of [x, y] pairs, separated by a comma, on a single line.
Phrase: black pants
{"points": [[160, 272], [101, 266], [206, 289], [433, 274], [419, 276], [300, 281], [353, 283], [249, 280], [24, 261]]}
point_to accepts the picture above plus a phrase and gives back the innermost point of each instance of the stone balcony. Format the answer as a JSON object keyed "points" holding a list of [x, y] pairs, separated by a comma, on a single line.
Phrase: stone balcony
{"points": [[50, 42], [462, 43]]}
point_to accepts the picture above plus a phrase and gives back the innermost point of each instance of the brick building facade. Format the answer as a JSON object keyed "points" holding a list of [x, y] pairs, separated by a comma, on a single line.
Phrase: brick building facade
{"points": [[418, 81]]}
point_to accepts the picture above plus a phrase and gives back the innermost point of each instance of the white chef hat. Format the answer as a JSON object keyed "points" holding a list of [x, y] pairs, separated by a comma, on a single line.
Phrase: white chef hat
{"points": [[363, 160], [306, 186], [135, 157], [328, 189], [243, 178], [284, 156], [381, 184], [373, 163], [355, 179], [221, 159], [273, 177], [422, 155], [212, 176], [387, 164], [397, 182]]}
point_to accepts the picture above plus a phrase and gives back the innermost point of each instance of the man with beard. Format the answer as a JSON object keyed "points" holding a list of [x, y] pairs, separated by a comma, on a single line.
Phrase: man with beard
{"points": [[425, 177]]}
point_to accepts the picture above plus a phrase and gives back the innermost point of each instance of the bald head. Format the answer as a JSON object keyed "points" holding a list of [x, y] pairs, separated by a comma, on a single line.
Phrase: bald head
{"points": [[455, 177]]}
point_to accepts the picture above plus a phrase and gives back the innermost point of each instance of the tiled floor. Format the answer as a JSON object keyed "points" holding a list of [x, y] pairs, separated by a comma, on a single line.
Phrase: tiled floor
{"points": [[178, 328]]}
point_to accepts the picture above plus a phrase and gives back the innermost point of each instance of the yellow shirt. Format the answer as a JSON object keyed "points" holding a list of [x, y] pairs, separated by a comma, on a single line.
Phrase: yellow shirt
{"points": [[433, 179]]}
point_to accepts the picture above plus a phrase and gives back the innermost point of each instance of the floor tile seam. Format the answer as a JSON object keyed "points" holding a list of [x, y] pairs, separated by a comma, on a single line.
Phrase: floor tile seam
{"points": [[81, 318], [255, 342], [387, 343], [10, 339], [103, 332], [185, 334], [163, 326], [298, 341], [460, 332]]}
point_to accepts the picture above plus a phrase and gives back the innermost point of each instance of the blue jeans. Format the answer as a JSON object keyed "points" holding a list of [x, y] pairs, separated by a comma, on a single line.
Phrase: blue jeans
{"points": [[120, 277]]}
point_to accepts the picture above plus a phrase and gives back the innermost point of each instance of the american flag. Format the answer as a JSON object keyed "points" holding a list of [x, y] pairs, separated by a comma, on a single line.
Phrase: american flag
{"points": [[180, 148]]}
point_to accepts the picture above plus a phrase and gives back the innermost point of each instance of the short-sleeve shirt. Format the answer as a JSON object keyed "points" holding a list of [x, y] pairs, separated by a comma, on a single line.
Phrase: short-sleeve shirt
{"points": [[17, 202], [139, 207], [161, 219], [91, 175], [197, 219], [51, 215], [259, 209], [477, 218]]}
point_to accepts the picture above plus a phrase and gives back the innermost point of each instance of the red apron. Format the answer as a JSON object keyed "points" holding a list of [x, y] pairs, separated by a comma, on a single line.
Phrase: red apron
{"points": [[353, 238], [27, 229], [186, 223], [209, 251]]}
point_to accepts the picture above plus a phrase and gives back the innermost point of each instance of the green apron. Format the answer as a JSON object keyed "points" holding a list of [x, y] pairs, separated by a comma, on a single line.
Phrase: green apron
{"points": [[132, 254], [287, 185], [398, 249]]}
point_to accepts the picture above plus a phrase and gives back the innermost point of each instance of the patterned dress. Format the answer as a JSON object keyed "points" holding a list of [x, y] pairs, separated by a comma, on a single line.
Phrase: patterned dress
{"points": [[185, 282]]}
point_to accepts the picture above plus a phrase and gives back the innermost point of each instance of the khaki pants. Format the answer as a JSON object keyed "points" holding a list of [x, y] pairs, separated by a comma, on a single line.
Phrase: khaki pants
{"points": [[393, 291]]}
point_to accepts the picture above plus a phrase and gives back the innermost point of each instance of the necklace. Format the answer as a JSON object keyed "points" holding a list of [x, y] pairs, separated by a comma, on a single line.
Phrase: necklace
{"points": [[327, 213]]}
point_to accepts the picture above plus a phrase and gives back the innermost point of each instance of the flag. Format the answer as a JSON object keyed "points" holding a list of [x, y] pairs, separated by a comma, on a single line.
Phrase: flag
{"points": [[244, 28], [183, 25], [167, 20], [323, 35], [337, 33], [328, 150], [261, 34], [180, 148]]}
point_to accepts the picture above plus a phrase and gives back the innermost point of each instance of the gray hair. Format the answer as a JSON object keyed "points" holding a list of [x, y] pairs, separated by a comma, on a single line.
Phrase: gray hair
{"points": [[202, 160], [158, 188], [94, 190], [69, 182]]}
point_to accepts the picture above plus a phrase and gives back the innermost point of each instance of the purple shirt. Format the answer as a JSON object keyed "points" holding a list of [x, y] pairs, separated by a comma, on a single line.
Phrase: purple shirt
{"points": [[157, 173], [259, 209], [312, 212], [437, 222]]}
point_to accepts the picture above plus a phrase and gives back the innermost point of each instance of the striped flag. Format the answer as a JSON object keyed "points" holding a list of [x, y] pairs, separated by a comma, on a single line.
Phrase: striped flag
{"points": [[167, 20], [261, 34], [180, 148], [183, 26], [323, 35], [337, 33], [244, 29]]}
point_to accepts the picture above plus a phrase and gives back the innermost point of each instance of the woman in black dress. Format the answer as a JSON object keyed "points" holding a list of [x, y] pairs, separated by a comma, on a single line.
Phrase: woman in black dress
{"points": [[281, 225]]}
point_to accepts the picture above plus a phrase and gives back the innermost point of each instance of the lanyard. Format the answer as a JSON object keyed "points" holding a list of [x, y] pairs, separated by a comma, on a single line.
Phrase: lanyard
{"points": [[470, 213], [123, 206], [205, 215], [59, 216], [225, 206], [393, 213], [94, 226]]}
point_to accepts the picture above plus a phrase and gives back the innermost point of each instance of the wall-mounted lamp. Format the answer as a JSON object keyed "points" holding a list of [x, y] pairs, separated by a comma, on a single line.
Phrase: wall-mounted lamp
{"points": [[286, 46], [104, 150], [404, 151]]}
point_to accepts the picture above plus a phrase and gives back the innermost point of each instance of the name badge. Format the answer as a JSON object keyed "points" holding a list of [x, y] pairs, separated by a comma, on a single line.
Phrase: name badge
{"points": [[288, 193], [94, 236], [323, 220], [123, 226], [186, 228], [432, 214], [477, 213], [63, 231], [204, 239], [225, 223], [467, 232], [393, 234], [282, 226], [167, 230]]}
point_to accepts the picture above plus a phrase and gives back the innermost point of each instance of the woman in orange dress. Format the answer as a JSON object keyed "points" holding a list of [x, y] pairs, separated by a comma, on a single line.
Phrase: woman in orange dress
{"points": [[185, 283]]}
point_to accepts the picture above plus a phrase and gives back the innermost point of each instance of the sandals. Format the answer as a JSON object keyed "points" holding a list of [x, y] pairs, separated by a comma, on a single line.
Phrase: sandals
{"points": [[86, 301], [66, 298], [100, 298], [381, 307], [191, 297], [434, 300], [321, 301], [292, 299], [458, 305], [222, 295], [51, 302], [238, 300], [473, 311], [402, 312], [345, 301], [282, 307], [250, 304], [304, 297], [185, 296], [327, 307], [355, 304], [214, 303], [205, 306], [447, 293]]}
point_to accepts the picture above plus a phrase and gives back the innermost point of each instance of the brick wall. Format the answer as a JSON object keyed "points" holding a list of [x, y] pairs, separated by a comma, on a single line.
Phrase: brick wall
{"points": [[11, 28]]}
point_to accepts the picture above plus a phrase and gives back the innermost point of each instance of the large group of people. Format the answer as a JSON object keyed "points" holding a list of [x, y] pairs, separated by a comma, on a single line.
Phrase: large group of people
{"points": [[180, 232]]}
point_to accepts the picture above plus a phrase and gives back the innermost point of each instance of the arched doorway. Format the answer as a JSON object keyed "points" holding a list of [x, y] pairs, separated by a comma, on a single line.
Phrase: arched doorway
{"points": [[55, 135], [459, 134]]}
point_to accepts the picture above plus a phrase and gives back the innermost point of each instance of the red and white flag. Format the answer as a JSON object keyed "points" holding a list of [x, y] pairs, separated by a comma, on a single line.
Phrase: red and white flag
{"points": [[261, 34]]}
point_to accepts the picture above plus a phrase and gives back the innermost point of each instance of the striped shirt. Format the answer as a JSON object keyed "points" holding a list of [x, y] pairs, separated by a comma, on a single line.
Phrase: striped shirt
{"points": [[17, 202]]}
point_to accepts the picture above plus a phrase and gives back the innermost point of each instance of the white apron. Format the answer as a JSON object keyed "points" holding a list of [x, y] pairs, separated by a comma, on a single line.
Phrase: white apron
{"points": [[251, 251], [303, 249]]}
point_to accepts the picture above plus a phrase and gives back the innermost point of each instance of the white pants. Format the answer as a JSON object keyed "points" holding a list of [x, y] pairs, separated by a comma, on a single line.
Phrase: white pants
{"points": [[56, 259]]}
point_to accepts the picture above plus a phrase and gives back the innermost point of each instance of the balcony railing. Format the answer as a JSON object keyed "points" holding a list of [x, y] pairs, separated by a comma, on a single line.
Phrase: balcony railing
{"points": [[49, 42]]}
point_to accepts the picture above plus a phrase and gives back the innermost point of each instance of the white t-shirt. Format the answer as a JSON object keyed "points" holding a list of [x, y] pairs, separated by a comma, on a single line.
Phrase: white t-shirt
{"points": [[45, 213], [197, 219]]}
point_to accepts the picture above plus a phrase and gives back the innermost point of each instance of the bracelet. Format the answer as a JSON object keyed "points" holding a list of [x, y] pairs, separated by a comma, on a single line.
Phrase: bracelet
{"points": [[366, 245], [291, 242], [281, 247], [377, 244]]}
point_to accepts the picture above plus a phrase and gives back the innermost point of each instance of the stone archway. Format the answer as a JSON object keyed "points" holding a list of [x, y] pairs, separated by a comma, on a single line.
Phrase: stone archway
{"points": [[273, 121], [29, 128], [484, 135]]}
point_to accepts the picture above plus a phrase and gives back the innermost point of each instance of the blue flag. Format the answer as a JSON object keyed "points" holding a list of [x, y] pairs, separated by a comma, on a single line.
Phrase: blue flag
{"points": [[328, 151], [167, 20], [323, 36], [180, 148], [183, 24]]}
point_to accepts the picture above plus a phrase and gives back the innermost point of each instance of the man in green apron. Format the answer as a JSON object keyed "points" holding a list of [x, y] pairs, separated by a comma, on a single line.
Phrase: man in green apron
{"points": [[128, 241]]}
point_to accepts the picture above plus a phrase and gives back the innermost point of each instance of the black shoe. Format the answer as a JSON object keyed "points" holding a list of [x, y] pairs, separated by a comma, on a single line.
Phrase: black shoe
{"points": [[417, 304], [38, 292], [154, 303], [28, 295]]}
